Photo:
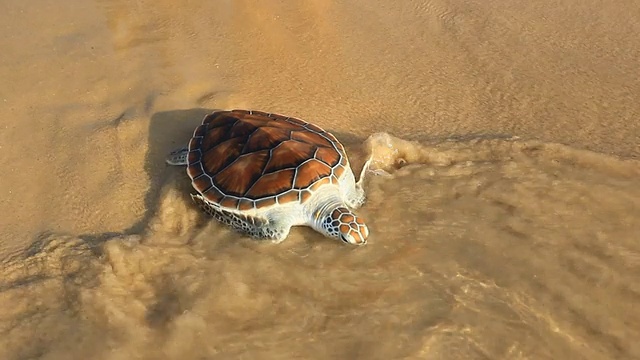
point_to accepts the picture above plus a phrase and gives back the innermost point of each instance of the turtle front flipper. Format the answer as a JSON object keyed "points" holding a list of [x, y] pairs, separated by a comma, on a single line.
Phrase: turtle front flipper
{"points": [[179, 156]]}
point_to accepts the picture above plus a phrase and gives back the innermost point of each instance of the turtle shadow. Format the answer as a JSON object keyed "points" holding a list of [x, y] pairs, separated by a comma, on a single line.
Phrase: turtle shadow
{"points": [[167, 130]]}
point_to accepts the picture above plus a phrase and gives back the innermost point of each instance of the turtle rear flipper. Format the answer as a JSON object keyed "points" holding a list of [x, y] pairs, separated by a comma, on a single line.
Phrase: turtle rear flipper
{"points": [[179, 156]]}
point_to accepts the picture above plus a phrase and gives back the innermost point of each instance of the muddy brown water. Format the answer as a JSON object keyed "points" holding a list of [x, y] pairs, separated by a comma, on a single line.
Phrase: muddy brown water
{"points": [[491, 248]]}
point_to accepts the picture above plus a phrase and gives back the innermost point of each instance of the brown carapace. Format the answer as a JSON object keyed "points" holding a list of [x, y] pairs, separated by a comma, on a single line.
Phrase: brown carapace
{"points": [[241, 159]]}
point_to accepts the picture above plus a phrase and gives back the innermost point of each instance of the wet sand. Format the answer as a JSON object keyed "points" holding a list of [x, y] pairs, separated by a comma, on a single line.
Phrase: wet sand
{"points": [[507, 227]]}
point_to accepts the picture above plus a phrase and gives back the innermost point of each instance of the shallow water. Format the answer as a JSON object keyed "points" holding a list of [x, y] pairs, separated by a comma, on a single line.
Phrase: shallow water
{"points": [[505, 226], [488, 248]]}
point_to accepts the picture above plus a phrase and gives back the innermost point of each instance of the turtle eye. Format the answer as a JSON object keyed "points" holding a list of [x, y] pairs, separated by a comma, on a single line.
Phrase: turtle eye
{"points": [[344, 238]]}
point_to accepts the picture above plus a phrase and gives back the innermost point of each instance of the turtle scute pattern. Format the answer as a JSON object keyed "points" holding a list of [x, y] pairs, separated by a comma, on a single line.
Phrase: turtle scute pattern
{"points": [[245, 159], [343, 221]]}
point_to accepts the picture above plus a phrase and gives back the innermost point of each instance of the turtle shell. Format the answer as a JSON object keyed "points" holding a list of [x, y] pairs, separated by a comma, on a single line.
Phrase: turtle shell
{"points": [[247, 160]]}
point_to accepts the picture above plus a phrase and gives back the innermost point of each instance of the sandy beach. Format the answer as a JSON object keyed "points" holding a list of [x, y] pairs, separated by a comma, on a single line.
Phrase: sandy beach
{"points": [[508, 226]]}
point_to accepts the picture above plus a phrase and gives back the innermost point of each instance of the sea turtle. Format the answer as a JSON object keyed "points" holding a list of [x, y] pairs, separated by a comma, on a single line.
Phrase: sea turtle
{"points": [[263, 173]]}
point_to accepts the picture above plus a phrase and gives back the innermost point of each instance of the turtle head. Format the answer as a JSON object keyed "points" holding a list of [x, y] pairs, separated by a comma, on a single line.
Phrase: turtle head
{"points": [[343, 224]]}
